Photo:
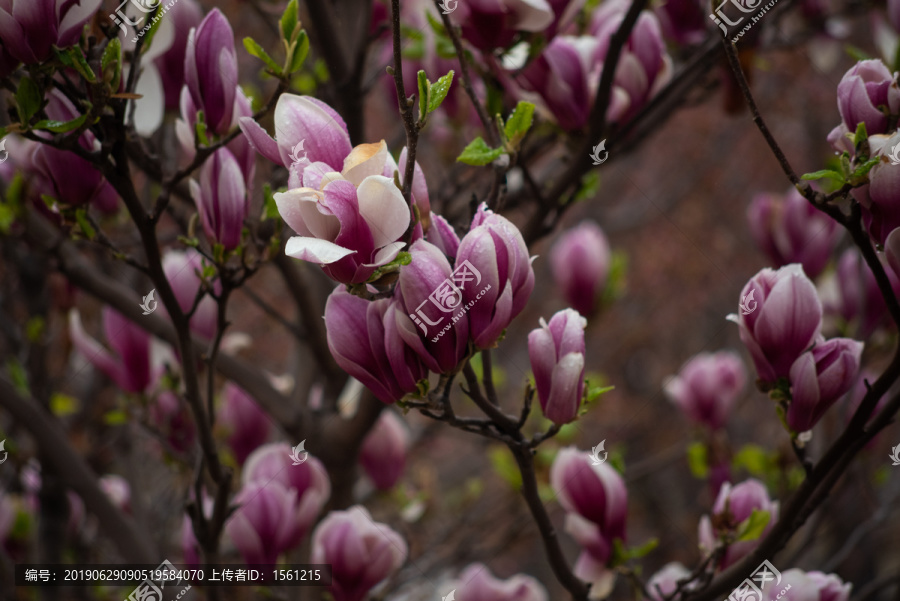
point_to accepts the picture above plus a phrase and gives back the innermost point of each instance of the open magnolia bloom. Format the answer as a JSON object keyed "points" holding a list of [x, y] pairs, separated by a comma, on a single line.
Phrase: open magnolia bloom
{"points": [[348, 222]]}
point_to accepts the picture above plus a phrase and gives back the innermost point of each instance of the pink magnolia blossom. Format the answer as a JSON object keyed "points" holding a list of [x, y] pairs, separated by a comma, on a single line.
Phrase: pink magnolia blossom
{"points": [[556, 350], [736, 503]]}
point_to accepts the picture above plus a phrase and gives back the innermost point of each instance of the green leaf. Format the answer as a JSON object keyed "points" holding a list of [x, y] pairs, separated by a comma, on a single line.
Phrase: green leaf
{"points": [[254, 49], [34, 328], [22, 526], [60, 127], [439, 90], [698, 462], [18, 376], [478, 153], [590, 184], [856, 53], [752, 528], [62, 405], [615, 281], [289, 21], [829, 173], [643, 550], [301, 50], [860, 135], [79, 63], [755, 459], [111, 63], [28, 99], [859, 175], [200, 129], [504, 464], [84, 224], [519, 122], [424, 88], [116, 417], [592, 394]]}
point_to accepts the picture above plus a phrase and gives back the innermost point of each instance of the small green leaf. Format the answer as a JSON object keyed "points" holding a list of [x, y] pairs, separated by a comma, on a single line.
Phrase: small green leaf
{"points": [[288, 21], [478, 153], [829, 173], [80, 64], [860, 135], [200, 129], [698, 462], [111, 64], [28, 99], [60, 127], [752, 528], [424, 88], [505, 465], [859, 175], [755, 459], [34, 328], [519, 122], [592, 394], [301, 50], [84, 224], [18, 376], [62, 405], [22, 526], [254, 49], [439, 90], [117, 417]]}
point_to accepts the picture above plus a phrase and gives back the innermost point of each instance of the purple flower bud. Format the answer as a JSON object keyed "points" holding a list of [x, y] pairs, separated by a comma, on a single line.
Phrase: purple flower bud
{"points": [[306, 483], [130, 370], [30, 28], [880, 198], [429, 313], [366, 342], [683, 21], [265, 524], [495, 249], [864, 89], [644, 66], [247, 425], [597, 504], [819, 377], [210, 70], [170, 64], [182, 269], [830, 586], [490, 24], [665, 581], [856, 296], [476, 583], [173, 419], [789, 229], [560, 75], [580, 262], [221, 198], [734, 505], [707, 387], [442, 235], [302, 119], [352, 225], [781, 317], [383, 451], [556, 351], [361, 551]]}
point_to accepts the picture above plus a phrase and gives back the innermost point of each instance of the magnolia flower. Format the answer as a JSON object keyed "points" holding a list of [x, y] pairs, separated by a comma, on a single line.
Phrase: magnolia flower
{"points": [[361, 551], [490, 24], [819, 377], [476, 583], [221, 198], [383, 451], [707, 387], [864, 88], [130, 367], [556, 351], [30, 28], [734, 505], [246, 424], [580, 261], [210, 70]]}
